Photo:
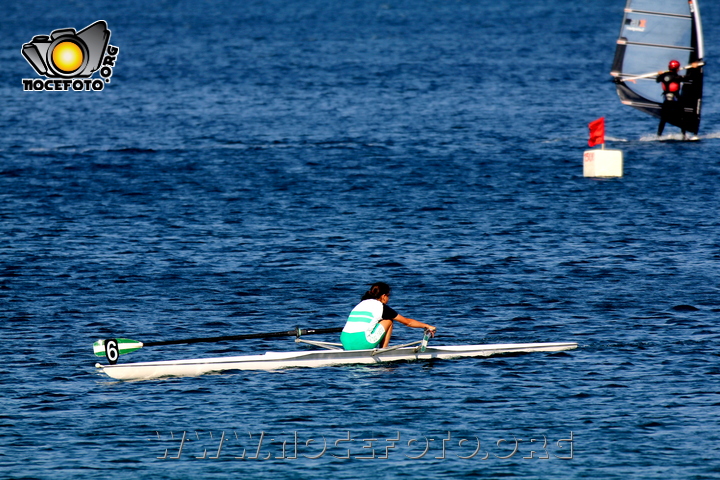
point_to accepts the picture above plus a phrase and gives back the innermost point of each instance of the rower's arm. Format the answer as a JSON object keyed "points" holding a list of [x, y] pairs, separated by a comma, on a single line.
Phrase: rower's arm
{"points": [[414, 323]]}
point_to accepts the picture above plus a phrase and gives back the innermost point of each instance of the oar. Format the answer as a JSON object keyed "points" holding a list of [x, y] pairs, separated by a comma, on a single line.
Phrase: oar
{"points": [[427, 335], [112, 348], [655, 74]]}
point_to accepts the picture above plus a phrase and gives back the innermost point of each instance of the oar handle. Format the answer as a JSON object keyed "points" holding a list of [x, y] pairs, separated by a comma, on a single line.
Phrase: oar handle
{"points": [[426, 338]]}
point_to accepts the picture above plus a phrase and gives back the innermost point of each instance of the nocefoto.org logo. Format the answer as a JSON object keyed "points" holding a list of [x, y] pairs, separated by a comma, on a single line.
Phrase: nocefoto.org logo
{"points": [[68, 59]]}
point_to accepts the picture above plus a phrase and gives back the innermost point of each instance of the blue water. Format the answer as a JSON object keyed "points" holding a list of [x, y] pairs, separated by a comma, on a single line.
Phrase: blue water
{"points": [[253, 165]]}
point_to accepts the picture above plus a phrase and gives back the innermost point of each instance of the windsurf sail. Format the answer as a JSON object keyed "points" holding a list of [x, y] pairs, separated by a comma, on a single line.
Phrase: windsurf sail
{"points": [[653, 32]]}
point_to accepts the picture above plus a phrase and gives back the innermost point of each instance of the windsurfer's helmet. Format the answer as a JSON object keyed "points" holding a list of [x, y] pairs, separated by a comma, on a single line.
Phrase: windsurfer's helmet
{"points": [[673, 65]]}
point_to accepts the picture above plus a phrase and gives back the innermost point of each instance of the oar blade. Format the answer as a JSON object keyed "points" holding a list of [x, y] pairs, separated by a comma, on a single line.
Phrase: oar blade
{"points": [[124, 345]]}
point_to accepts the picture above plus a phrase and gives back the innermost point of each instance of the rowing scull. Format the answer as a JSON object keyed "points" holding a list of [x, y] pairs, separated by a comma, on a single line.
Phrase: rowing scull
{"points": [[316, 358]]}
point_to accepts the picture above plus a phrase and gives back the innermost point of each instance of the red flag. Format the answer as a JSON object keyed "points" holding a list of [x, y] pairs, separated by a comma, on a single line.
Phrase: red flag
{"points": [[597, 132]]}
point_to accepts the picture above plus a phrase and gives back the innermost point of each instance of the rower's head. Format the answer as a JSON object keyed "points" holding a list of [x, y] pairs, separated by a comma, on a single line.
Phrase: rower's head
{"points": [[674, 65], [377, 291]]}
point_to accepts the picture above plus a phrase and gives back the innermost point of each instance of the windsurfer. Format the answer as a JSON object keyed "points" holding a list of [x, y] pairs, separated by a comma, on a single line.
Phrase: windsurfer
{"points": [[370, 323], [671, 106]]}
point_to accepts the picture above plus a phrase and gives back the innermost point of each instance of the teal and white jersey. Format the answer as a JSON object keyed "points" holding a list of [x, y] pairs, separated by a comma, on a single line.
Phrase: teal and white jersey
{"points": [[364, 317], [363, 329]]}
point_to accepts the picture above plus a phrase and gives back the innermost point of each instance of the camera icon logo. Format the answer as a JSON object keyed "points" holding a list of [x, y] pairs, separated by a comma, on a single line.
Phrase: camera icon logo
{"points": [[66, 53]]}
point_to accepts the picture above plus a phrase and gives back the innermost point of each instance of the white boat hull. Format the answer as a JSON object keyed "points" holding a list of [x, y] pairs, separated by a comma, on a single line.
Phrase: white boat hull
{"points": [[315, 358]]}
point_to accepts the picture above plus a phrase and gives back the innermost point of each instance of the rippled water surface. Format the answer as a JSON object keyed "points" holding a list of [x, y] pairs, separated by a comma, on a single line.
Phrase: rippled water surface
{"points": [[252, 166]]}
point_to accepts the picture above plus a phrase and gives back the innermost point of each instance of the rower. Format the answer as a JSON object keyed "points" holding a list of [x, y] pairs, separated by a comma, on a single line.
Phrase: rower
{"points": [[370, 323]]}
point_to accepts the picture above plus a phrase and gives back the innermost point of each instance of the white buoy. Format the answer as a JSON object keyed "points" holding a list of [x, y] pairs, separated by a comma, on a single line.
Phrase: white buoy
{"points": [[603, 163]]}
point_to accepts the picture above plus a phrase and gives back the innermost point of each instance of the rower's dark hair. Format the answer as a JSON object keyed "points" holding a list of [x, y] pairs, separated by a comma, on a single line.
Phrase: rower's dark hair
{"points": [[377, 290]]}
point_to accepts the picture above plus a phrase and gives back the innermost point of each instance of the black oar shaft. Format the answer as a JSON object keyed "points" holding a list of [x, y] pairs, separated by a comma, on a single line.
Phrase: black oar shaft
{"points": [[290, 333]]}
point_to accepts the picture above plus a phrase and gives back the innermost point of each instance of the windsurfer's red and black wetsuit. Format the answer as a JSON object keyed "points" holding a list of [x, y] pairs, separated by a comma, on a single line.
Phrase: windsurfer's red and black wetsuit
{"points": [[671, 83]]}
